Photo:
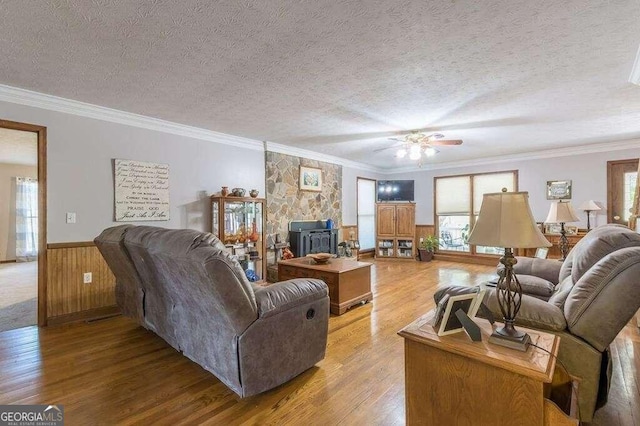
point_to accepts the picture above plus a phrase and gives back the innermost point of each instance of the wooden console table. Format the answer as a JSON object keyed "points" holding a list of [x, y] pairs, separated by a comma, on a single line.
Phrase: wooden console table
{"points": [[554, 251], [349, 281], [452, 380]]}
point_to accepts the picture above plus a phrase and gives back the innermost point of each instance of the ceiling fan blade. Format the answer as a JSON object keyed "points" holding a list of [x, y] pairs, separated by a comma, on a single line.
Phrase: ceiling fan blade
{"points": [[446, 142], [396, 139], [384, 149]]}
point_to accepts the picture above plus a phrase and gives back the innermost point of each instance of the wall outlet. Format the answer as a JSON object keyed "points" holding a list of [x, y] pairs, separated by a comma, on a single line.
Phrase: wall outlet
{"points": [[71, 217], [87, 277]]}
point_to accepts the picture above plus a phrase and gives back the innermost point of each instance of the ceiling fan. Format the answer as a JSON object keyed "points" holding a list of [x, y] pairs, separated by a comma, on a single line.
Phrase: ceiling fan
{"points": [[417, 145]]}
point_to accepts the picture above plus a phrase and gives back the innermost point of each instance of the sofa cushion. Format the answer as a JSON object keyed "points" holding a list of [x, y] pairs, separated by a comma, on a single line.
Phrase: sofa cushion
{"points": [[536, 286]]}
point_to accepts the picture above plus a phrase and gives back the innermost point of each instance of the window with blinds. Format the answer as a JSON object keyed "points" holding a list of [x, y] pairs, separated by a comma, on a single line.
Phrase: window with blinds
{"points": [[366, 213], [457, 203]]}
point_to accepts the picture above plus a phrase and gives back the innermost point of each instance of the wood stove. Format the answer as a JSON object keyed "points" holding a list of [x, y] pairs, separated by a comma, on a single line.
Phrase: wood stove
{"points": [[307, 237]]}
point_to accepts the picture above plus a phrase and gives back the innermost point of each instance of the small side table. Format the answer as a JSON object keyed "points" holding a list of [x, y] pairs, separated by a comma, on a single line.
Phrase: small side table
{"points": [[452, 380]]}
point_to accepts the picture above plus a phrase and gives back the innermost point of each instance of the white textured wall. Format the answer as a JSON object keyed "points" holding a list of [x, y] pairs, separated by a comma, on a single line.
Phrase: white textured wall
{"points": [[80, 176], [588, 173]]}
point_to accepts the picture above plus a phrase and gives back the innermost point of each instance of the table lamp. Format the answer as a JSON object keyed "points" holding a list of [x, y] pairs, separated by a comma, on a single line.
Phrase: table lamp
{"points": [[589, 206], [505, 220], [562, 213]]}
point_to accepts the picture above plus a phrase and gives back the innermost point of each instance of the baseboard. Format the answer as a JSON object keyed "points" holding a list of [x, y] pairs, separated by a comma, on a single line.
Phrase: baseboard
{"points": [[8, 261], [88, 315]]}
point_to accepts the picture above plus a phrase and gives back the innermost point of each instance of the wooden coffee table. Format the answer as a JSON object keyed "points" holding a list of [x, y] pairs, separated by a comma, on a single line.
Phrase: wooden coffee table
{"points": [[349, 281]]}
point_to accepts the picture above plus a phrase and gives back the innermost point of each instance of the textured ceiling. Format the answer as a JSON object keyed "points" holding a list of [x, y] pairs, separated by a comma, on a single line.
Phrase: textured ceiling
{"points": [[339, 77], [18, 147]]}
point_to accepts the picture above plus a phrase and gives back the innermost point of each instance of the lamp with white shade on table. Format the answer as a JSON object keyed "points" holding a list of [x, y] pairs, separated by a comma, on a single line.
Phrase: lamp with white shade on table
{"points": [[588, 207], [562, 212], [505, 220]]}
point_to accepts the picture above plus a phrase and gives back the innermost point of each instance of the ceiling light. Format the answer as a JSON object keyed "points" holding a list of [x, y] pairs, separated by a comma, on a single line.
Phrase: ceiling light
{"points": [[415, 148], [430, 151], [414, 155], [401, 153]]}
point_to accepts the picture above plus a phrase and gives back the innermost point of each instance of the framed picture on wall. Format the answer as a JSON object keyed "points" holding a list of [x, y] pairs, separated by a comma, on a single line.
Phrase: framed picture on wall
{"points": [[558, 190], [310, 179]]}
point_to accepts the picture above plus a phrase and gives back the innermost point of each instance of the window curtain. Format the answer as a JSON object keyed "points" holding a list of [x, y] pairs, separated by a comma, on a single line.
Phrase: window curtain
{"points": [[26, 219]]}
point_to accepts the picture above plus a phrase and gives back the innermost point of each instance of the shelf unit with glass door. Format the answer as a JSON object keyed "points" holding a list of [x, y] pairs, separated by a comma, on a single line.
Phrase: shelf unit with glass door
{"points": [[239, 223]]}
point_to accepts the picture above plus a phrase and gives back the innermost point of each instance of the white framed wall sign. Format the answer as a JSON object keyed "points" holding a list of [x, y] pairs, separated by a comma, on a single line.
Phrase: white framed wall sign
{"points": [[141, 191]]}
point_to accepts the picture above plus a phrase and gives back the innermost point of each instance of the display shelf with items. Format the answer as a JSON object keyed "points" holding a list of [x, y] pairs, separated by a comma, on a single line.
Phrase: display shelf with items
{"points": [[239, 223], [405, 248], [386, 248]]}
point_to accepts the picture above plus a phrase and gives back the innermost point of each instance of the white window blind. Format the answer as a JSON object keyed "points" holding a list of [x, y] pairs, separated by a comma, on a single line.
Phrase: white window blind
{"points": [[489, 183], [366, 213], [453, 195]]}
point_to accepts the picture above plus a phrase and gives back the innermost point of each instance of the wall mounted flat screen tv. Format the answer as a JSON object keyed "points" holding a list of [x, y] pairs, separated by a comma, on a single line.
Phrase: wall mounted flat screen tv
{"points": [[395, 190]]}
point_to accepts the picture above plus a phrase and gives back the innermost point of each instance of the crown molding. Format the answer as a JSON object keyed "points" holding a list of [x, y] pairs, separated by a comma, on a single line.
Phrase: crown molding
{"points": [[318, 156], [68, 106], [53, 103], [526, 156], [635, 71]]}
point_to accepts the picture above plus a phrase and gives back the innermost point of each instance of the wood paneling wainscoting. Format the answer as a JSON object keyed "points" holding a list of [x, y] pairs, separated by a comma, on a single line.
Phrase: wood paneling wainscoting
{"points": [[423, 231], [68, 298]]}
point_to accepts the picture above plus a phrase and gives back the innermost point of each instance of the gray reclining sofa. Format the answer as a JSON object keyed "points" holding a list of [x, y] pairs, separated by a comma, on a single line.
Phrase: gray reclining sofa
{"points": [[184, 287]]}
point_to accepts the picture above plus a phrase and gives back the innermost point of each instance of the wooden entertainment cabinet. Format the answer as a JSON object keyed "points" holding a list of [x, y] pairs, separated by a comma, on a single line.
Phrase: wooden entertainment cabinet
{"points": [[396, 228]]}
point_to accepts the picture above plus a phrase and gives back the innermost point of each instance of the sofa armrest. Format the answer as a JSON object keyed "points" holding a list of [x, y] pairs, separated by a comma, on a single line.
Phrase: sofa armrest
{"points": [[285, 295], [547, 269], [533, 313]]}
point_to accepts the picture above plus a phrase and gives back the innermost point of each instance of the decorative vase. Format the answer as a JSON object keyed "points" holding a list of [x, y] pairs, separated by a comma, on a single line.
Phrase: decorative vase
{"points": [[254, 233], [253, 193], [329, 224], [225, 191]]}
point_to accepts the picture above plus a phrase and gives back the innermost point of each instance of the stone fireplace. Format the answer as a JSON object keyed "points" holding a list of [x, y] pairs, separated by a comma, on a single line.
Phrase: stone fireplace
{"points": [[287, 203]]}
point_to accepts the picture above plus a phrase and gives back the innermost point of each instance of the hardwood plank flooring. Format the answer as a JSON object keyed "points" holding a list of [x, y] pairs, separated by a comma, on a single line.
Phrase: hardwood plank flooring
{"points": [[115, 372]]}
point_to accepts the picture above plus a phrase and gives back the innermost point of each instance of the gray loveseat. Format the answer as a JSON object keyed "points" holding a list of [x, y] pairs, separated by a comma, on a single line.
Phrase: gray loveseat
{"points": [[597, 294], [184, 287]]}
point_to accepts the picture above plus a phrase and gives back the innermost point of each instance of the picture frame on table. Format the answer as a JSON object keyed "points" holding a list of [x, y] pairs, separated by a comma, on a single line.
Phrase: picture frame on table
{"points": [[558, 190], [542, 252], [445, 321], [552, 228], [571, 230], [310, 179]]}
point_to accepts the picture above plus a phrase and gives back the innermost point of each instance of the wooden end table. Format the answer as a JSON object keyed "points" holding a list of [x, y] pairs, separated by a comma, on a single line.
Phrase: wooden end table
{"points": [[349, 281], [452, 380]]}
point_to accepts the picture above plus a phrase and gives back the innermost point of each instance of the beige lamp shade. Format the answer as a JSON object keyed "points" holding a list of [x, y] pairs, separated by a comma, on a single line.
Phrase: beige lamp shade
{"points": [[561, 213], [590, 206], [505, 220]]}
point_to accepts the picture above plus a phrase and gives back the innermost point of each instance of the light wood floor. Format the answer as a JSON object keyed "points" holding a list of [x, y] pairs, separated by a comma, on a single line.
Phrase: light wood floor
{"points": [[113, 371]]}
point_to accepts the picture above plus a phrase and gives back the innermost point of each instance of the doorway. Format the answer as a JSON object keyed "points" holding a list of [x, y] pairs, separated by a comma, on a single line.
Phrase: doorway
{"points": [[22, 225], [622, 178]]}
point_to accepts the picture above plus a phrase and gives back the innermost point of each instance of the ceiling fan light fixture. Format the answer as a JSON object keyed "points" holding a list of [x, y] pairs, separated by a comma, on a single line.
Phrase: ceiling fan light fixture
{"points": [[414, 155], [430, 151], [401, 153]]}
